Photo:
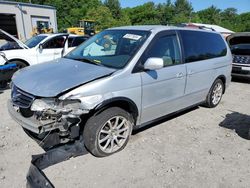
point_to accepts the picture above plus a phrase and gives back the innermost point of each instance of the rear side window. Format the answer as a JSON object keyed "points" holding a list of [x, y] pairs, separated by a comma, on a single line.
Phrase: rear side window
{"points": [[202, 45]]}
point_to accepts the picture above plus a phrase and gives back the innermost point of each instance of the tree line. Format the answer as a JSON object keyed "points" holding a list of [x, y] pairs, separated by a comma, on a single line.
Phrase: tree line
{"points": [[109, 13]]}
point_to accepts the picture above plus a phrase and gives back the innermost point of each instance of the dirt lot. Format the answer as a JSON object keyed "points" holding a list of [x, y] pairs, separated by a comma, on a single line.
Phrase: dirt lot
{"points": [[200, 148]]}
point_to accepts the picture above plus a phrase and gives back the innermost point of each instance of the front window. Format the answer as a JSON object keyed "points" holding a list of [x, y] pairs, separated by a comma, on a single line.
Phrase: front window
{"points": [[167, 48], [56, 42], [111, 48], [32, 42]]}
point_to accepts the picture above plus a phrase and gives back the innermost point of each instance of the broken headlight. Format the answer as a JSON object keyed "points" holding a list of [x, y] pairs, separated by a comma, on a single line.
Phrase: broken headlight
{"points": [[56, 105], [43, 104]]}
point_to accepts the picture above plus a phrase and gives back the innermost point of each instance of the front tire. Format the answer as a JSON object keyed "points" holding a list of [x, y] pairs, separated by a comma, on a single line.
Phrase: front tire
{"points": [[108, 132], [215, 94], [20, 64]]}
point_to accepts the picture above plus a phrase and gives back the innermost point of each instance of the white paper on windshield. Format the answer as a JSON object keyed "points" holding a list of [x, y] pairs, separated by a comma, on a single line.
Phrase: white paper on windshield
{"points": [[132, 36]]}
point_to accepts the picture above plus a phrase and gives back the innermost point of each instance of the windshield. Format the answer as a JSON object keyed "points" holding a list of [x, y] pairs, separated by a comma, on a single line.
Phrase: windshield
{"points": [[240, 49], [32, 42], [111, 48]]}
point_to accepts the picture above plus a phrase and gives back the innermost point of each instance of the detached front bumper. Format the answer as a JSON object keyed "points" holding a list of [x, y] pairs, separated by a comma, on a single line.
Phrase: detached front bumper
{"points": [[48, 135], [33, 130], [27, 123], [31, 123]]}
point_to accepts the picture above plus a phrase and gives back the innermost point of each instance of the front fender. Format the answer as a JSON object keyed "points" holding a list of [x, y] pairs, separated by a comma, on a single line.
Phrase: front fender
{"points": [[26, 55]]}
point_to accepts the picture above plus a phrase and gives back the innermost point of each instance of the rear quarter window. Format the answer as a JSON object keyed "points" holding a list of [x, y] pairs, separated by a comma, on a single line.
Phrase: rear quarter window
{"points": [[202, 45]]}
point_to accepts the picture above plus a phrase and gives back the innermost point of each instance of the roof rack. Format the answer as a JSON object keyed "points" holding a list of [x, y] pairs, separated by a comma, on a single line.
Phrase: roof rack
{"points": [[195, 26], [205, 27]]}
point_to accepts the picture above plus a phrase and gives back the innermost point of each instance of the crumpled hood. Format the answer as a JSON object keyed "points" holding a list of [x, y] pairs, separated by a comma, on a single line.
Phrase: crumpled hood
{"points": [[54, 77]]}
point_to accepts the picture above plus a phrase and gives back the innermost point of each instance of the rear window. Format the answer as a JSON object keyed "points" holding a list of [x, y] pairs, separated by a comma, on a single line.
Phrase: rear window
{"points": [[202, 45]]}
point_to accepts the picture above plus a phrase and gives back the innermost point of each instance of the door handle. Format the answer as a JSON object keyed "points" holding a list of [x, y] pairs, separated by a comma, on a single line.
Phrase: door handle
{"points": [[179, 75], [190, 72]]}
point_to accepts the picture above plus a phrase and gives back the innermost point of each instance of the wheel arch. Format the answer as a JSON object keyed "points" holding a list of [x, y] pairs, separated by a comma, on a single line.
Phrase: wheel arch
{"points": [[223, 79], [17, 59], [122, 102]]}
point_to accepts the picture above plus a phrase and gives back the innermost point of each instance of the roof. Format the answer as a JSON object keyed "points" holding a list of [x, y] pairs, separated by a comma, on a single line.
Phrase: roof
{"points": [[59, 34], [26, 4], [145, 27], [215, 27], [51, 34], [157, 28]]}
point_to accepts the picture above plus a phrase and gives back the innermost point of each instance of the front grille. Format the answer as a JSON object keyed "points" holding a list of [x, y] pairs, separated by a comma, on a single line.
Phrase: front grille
{"points": [[21, 98], [240, 59]]}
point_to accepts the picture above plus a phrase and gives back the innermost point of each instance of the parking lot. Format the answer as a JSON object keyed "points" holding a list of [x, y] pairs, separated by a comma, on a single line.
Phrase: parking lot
{"points": [[199, 148]]}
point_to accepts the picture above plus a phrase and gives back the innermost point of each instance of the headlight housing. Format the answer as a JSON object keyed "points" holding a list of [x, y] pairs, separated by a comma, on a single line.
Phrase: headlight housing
{"points": [[58, 106], [44, 104]]}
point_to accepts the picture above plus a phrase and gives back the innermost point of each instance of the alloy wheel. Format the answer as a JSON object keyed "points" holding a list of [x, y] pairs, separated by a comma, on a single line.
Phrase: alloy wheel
{"points": [[113, 134], [217, 93]]}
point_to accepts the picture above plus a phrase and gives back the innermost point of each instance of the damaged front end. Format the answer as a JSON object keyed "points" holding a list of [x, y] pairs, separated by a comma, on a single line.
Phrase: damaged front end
{"points": [[49, 121]]}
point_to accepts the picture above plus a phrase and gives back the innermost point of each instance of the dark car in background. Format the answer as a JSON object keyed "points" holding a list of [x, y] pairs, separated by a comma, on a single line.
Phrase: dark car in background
{"points": [[240, 48]]}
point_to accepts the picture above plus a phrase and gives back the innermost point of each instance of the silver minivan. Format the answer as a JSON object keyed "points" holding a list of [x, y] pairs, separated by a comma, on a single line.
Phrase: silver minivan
{"points": [[118, 80]]}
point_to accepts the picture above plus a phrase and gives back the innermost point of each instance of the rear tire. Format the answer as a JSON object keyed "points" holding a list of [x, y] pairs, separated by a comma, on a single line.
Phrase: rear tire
{"points": [[107, 132], [215, 94]]}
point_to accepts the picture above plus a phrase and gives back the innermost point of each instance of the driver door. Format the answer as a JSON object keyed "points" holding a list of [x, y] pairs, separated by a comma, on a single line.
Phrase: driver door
{"points": [[51, 49], [163, 89]]}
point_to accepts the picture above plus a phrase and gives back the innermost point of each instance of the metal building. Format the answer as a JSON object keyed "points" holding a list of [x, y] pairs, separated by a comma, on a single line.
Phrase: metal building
{"points": [[23, 19]]}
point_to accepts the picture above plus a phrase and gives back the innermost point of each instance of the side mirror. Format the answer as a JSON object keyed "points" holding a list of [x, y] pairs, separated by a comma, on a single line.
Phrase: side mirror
{"points": [[40, 47], [154, 63]]}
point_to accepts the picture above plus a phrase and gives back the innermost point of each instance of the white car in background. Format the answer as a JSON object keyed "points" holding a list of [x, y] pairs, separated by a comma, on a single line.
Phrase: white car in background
{"points": [[38, 49]]}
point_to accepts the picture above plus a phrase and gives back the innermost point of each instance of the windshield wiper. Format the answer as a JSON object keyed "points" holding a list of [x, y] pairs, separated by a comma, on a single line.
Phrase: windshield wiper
{"points": [[95, 62]]}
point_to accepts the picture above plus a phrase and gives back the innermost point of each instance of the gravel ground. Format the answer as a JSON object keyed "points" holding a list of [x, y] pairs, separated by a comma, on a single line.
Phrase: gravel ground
{"points": [[199, 148]]}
